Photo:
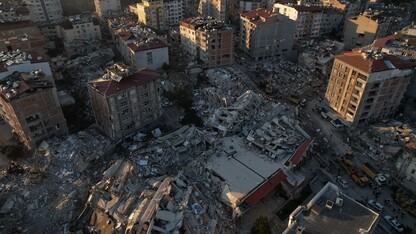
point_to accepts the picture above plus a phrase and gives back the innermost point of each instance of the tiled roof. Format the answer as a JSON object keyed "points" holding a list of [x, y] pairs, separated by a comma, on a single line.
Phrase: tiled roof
{"points": [[371, 65], [257, 15], [153, 44], [108, 87]]}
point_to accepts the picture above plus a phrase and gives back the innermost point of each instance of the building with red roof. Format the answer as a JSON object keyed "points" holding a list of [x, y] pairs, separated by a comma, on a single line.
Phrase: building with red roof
{"points": [[367, 85], [125, 100], [264, 34]]}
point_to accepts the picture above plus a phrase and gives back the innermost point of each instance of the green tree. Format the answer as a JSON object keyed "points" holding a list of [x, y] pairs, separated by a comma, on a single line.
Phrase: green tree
{"points": [[261, 226]]}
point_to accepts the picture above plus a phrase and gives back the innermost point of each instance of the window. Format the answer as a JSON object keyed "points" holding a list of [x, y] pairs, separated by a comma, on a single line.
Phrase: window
{"points": [[149, 58]]}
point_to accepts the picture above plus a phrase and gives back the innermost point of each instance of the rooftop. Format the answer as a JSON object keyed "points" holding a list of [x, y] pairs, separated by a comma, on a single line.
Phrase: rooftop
{"points": [[16, 25], [205, 24], [146, 44], [17, 84], [331, 211], [258, 16], [79, 19], [8, 59], [119, 78], [374, 62]]}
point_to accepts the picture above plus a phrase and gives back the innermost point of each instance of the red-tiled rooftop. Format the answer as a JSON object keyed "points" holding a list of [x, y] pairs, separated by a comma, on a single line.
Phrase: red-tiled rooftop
{"points": [[370, 65], [381, 42], [153, 44], [108, 87], [257, 16]]}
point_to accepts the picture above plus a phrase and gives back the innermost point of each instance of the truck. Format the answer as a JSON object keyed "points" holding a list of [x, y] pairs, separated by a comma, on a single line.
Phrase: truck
{"points": [[350, 168], [370, 170]]}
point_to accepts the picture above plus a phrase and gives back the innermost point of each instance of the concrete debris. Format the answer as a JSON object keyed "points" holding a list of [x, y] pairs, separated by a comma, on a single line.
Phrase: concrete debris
{"points": [[121, 202], [67, 169], [278, 137], [318, 55]]}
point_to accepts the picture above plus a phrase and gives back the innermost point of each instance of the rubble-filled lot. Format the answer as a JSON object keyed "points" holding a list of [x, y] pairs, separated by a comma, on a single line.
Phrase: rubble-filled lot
{"points": [[67, 169]]}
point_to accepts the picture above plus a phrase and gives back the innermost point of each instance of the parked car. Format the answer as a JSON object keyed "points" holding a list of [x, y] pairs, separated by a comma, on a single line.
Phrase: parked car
{"points": [[394, 223], [376, 206], [342, 182], [336, 123]]}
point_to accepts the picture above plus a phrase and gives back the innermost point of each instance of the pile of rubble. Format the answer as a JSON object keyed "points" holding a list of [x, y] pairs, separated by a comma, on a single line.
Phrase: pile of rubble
{"points": [[283, 78], [49, 206]]}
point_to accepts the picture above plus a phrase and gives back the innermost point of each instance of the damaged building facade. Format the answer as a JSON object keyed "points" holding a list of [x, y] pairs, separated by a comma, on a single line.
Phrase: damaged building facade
{"points": [[208, 40], [29, 103], [125, 100], [264, 34], [366, 85]]}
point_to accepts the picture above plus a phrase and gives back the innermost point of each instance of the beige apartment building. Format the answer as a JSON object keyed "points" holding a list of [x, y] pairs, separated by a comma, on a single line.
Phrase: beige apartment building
{"points": [[351, 7], [263, 34], [362, 30], [207, 40], [103, 6], [311, 21], [152, 13], [367, 86], [80, 27], [215, 8], [30, 104], [125, 100]]}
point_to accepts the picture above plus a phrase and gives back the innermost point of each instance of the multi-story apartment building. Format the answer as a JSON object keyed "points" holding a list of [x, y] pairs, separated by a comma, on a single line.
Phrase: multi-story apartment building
{"points": [[363, 29], [152, 13], [264, 34], [140, 49], [125, 100], [22, 35], [207, 40], [311, 21], [174, 12], [29, 103], [45, 10], [80, 27], [13, 12], [352, 7], [239, 6], [214, 8], [103, 6], [367, 86]]}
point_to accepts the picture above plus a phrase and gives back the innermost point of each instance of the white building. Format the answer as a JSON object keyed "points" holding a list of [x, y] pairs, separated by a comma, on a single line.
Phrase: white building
{"points": [[103, 6], [45, 10], [311, 21], [82, 27], [174, 12], [141, 51]]}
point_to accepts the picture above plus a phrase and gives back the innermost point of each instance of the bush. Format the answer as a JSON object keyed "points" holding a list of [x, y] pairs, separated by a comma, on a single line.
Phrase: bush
{"points": [[261, 226]]}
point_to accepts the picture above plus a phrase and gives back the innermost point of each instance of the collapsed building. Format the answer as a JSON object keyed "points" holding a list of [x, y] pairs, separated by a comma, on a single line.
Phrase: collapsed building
{"points": [[319, 55], [66, 165], [120, 202]]}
